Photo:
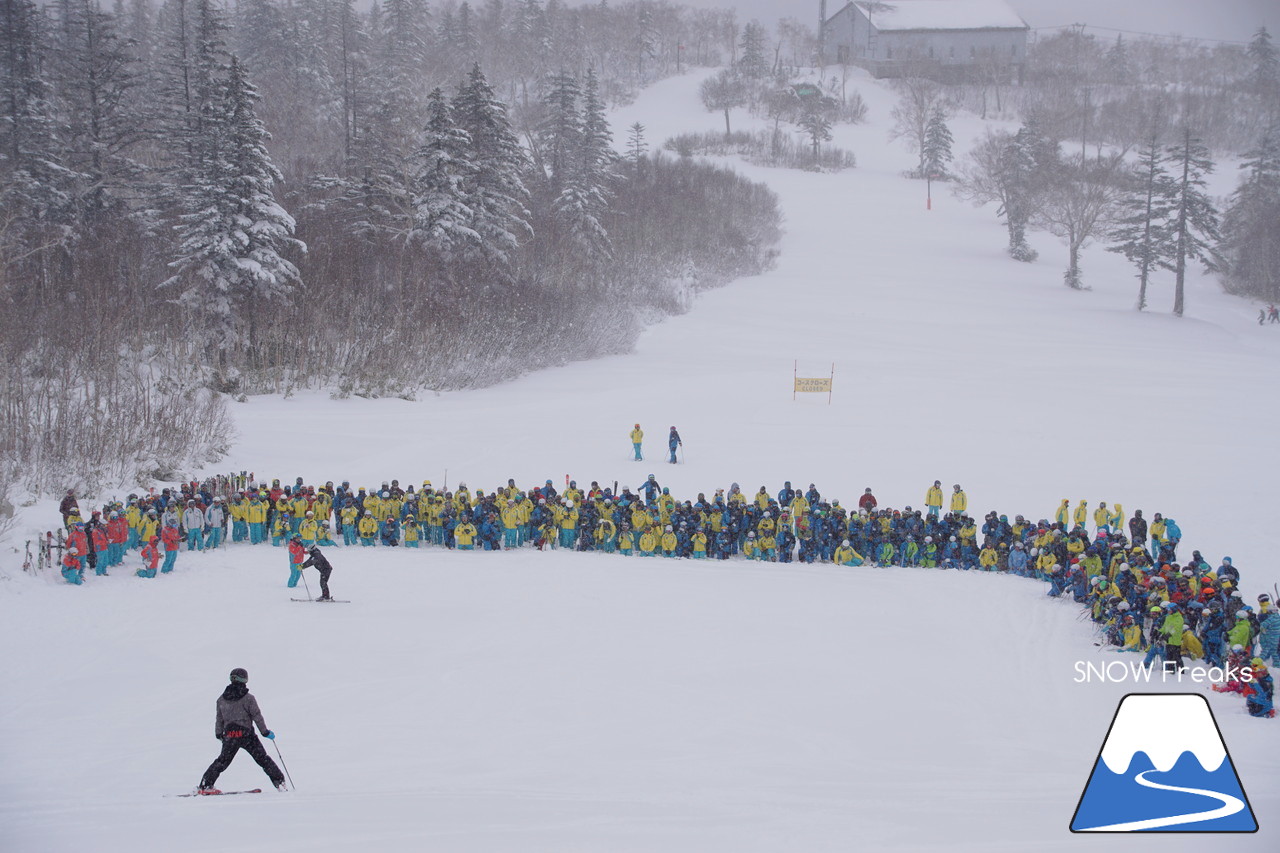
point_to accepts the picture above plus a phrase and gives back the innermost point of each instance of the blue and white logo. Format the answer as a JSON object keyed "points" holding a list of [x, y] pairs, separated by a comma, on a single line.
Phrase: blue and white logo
{"points": [[1164, 768]]}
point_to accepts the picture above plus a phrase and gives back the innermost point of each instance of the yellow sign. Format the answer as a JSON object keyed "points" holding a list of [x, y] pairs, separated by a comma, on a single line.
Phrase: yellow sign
{"points": [[816, 386]]}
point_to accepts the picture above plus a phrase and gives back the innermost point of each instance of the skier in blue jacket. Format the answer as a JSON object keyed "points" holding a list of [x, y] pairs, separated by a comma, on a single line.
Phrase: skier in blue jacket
{"points": [[673, 441], [1018, 559], [650, 488]]}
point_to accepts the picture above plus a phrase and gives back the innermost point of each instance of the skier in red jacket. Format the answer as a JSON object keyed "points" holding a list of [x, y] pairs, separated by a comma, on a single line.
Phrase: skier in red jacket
{"points": [[297, 556], [151, 557], [171, 539]]}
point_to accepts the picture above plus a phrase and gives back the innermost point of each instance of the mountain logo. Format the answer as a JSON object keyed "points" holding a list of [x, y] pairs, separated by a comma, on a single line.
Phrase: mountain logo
{"points": [[1164, 767]]}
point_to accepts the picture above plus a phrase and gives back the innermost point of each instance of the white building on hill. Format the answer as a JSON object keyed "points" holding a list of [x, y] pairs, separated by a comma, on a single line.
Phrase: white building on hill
{"points": [[938, 38]]}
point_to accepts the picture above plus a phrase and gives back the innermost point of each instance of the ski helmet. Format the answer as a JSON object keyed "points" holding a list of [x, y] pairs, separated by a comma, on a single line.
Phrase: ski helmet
{"points": [[239, 674]]}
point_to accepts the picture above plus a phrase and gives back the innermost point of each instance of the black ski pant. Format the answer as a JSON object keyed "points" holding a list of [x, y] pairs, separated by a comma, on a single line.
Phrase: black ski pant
{"points": [[249, 742], [324, 582]]}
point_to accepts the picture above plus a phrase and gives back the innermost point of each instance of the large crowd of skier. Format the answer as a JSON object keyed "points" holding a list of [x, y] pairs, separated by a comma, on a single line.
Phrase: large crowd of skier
{"points": [[1126, 573]]}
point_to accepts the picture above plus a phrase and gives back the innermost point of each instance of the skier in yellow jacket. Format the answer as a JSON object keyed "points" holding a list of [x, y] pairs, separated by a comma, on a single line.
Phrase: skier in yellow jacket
{"points": [[959, 500], [637, 436], [846, 556], [1081, 515], [1116, 519], [668, 542], [933, 498]]}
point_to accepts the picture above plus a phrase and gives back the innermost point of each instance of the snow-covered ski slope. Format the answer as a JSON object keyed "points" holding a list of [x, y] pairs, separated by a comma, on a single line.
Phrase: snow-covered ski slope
{"points": [[565, 702]]}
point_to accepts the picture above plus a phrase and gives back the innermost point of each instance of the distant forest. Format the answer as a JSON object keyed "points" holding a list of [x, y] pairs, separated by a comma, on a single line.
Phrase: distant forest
{"points": [[200, 198]]}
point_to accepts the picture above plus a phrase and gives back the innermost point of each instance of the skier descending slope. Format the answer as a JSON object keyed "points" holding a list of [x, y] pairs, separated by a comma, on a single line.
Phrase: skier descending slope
{"points": [[237, 713]]}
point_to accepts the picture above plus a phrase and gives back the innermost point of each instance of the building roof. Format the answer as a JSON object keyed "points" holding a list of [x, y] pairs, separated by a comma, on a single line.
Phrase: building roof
{"points": [[941, 15]]}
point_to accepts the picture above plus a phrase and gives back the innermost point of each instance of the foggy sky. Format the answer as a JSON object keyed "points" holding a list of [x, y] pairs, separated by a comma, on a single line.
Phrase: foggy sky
{"points": [[1229, 20]]}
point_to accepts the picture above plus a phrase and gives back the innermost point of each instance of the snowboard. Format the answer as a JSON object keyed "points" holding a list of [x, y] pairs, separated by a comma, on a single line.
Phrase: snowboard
{"points": [[318, 601], [217, 793]]}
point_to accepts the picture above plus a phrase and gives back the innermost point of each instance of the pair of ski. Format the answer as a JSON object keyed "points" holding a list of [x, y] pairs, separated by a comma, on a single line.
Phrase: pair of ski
{"points": [[323, 600], [214, 792]]}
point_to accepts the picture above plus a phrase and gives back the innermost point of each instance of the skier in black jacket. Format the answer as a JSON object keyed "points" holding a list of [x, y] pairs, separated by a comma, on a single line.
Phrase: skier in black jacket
{"points": [[237, 714], [321, 562]]}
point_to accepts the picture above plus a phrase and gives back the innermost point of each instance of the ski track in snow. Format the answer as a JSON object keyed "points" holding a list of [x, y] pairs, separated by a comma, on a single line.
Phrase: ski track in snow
{"points": [[1230, 805]]}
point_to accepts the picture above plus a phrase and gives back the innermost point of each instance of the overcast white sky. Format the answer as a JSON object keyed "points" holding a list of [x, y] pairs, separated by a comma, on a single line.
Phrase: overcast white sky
{"points": [[1230, 20]]}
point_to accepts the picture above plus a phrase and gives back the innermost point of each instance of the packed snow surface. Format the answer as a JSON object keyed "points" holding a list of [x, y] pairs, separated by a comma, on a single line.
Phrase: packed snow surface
{"points": [[565, 702]]}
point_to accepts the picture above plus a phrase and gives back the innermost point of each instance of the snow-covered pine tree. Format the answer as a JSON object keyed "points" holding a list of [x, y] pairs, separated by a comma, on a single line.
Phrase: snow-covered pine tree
{"points": [[192, 66], [495, 189], [261, 35], [1193, 225], [559, 133], [1251, 224], [753, 62], [1266, 64], [377, 194], [920, 99], [234, 232], [814, 120], [36, 187], [637, 147], [345, 43], [211, 60], [644, 42], [936, 153], [1141, 232], [585, 192], [98, 79], [441, 216], [1027, 162], [1118, 68], [465, 42]]}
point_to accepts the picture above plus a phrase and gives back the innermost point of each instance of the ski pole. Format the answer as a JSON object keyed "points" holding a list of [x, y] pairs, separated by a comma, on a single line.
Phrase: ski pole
{"points": [[304, 583], [282, 764]]}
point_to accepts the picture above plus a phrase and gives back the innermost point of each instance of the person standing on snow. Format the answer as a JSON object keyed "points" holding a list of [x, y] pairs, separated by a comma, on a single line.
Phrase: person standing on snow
{"points": [[171, 538], [214, 517], [69, 507], [321, 562], [673, 441], [637, 436], [650, 488], [933, 499], [959, 500], [297, 554], [237, 713], [1080, 517]]}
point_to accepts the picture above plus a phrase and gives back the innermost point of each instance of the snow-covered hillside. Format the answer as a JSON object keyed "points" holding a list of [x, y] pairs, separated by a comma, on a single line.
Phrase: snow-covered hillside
{"points": [[565, 702]]}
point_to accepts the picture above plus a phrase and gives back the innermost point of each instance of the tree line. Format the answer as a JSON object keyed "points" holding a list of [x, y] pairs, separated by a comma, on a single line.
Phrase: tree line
{"points": [[198, 199], [1144, 195]]}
